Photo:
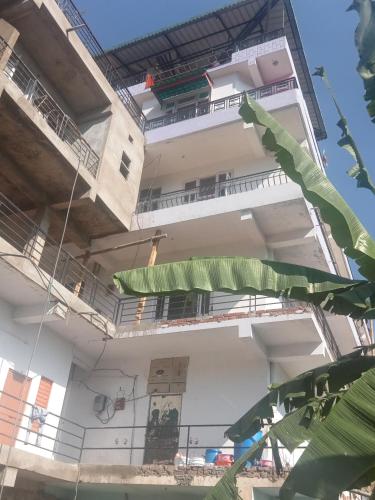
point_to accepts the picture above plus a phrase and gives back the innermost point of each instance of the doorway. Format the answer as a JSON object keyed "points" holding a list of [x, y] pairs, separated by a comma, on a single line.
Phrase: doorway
{"points": [[12, 406]]}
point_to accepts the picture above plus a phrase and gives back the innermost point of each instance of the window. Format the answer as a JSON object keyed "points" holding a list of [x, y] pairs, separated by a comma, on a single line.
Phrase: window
{"points": [[224, 184], [125, 165], [149, 199], [190, 196], [207, 187], [159, 309], [130, 138]]}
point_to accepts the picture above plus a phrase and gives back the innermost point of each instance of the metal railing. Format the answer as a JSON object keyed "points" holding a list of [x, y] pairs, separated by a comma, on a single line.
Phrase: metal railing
{"points": [[221, 56], [40, 431], [102, 60], [32, 242], [64, 127], [193, 307], [179, 445], [20, 426], [27, 237], [210, 107], [218, 189]]}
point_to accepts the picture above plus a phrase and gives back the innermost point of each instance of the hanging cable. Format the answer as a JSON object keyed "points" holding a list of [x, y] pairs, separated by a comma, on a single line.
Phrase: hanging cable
{"points": [[44, 315]]}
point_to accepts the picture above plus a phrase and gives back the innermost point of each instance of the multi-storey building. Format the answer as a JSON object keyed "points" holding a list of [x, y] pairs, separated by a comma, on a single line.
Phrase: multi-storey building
{"points": [[101, 392]]}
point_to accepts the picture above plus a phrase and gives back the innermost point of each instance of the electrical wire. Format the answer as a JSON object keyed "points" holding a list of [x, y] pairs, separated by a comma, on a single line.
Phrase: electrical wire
{"points": [[42, 321]]}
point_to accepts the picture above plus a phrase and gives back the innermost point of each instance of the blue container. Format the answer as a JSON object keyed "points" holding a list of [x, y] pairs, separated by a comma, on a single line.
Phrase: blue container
{"points": [[210, 455], [241, 448]]}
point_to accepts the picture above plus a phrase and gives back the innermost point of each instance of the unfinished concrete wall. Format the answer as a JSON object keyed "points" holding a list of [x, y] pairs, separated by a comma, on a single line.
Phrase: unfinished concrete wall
{"points": [[120, 193]]}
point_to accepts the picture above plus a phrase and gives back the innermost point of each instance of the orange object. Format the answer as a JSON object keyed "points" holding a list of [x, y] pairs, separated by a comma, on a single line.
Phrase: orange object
{"points": [[224, 460], [150, 81]]}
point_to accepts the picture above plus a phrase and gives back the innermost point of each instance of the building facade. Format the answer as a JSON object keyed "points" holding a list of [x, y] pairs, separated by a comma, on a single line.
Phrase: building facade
{"points": [[111, 161]]}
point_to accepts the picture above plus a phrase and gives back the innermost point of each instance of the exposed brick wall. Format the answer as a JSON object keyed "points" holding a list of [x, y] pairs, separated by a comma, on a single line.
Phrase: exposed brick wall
{"points": [[239, 315]]}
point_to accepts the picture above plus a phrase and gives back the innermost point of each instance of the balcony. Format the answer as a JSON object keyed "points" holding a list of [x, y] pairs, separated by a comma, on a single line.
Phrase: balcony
{"points": [[58, 121], [35, 245], [186, 310], [229, 102], [60, 438], [219, 189], [28, 241]]}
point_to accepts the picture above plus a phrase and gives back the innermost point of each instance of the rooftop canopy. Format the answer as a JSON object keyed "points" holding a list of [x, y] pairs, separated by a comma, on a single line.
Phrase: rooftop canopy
{"points": [[217, 32]]}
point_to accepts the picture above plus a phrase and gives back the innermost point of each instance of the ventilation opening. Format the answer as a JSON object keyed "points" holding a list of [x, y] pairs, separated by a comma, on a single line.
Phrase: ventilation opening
{"points": [[125, 165]]}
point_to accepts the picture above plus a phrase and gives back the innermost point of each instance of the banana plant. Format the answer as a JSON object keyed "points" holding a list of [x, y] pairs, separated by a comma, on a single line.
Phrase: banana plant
{"points": [[347, 142], [365, 42], [332, 408]]}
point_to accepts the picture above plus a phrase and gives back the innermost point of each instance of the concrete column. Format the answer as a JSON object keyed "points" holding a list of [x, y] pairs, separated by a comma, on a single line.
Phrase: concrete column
{"points": [[34, 247], [245, 488], [8, 476], [10, 35]]}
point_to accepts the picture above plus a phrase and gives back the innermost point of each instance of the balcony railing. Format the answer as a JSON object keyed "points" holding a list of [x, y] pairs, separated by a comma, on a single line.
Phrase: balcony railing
{"points": [[197, 308], [54, 436], [60, 122], [233, 101], [215, 190], [25, 236], [102, 60], [222, 56], [51, 435]]}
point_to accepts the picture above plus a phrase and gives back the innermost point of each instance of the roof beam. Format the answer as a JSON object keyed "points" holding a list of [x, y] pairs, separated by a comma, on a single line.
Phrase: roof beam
{"points": [[173, 46], [224, 26], [256, 20], [204, 37]]}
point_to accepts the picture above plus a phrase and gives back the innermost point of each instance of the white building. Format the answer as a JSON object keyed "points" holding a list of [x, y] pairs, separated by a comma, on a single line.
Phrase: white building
{"points": [[98, 369]]}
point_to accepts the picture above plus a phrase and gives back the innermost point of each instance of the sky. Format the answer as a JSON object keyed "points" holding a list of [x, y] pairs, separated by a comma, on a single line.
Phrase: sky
{"points": [[327, 32]]}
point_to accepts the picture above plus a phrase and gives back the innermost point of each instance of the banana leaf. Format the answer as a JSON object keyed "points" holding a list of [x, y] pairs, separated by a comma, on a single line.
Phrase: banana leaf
{"points": [[365, 42], [301, 424], [241, 275], [347, 142], [341, 452], [346, 228], [300, 390], [226, 488]]}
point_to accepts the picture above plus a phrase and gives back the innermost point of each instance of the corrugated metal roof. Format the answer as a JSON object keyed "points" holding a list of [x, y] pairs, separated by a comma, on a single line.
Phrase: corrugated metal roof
{"points": [[215, 31]]}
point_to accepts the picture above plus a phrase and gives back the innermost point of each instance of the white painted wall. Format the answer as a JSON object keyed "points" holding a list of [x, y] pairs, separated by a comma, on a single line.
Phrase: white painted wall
{"points": [[220, 388], [52, 359]]}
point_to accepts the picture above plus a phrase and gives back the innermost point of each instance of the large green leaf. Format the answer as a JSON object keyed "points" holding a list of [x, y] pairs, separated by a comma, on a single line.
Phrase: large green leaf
{"points": [[242, 275], [365, 42], [300, 390], [317, 391], [226, 488], [342, 451], [347, 142], [346, 229]]}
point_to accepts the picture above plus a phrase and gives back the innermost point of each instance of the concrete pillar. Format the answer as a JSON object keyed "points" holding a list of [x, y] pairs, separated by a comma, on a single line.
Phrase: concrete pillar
{"points": [[10, 35], [245, 488], [35, 245], [8, 476]]}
